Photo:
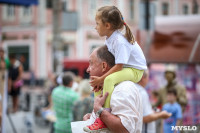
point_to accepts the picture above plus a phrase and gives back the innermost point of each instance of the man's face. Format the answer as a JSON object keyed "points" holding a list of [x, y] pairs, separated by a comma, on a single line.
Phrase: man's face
{"points": [[95, 66]]}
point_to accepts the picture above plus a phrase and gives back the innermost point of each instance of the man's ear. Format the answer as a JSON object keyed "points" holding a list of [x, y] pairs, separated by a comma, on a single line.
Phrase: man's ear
{"points": [[104, 66], [71, 84]]}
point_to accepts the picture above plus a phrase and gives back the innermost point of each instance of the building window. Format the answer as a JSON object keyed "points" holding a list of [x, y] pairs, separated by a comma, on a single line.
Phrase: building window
{"points": [[93, 46], [64, 6], [165, 8], [8, 12], [25, 14], [11, 11], [66, 50], [22, 54], [131, 9], [106, 2], [195, 7], [92, 9], [69, 24], [27, 11], [185, 9], [49, 4]]}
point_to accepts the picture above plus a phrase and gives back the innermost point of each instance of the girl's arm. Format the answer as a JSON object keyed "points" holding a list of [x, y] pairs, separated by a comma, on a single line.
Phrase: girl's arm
{"points": [[115, 68], [97, 81]]}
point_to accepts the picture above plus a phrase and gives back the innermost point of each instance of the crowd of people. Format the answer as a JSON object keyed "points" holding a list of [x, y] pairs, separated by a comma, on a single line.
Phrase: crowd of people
{"points": [[128, 113], [76, 103], [131, 108]]}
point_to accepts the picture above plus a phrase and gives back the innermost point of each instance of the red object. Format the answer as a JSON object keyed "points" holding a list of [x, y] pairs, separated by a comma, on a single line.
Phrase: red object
{"points": [[97, 125], [79, 66]]}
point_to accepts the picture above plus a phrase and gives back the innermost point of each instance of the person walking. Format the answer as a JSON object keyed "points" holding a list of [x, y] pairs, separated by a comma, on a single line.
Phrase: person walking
{"points": [[63, 98], [15, 81], [85, 104]]}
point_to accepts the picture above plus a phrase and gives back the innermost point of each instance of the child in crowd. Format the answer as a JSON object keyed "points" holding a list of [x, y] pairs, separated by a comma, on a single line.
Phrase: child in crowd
{"points": [[172, 107], [130, 62], [154, 100]]}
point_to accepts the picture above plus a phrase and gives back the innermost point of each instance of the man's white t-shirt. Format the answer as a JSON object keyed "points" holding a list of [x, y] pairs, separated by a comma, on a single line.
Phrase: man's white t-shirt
{"points": [[126, 103], [147, 110], [131, 55]]}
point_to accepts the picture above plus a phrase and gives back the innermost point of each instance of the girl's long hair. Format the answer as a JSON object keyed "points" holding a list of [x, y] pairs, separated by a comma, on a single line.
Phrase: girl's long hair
{"points": [[112, 15]]}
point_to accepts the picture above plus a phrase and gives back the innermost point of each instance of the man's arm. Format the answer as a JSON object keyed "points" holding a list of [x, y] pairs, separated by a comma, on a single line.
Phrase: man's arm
{"points": [[156, 116], [112, 122]]}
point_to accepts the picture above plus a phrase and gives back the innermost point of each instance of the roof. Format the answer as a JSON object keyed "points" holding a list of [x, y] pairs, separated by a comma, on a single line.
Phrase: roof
{"points": [[20, 2], [174, 39]]}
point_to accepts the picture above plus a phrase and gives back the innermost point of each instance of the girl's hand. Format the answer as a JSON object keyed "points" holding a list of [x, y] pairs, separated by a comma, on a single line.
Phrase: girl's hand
{"points": [[96, 81], [96, 89]]}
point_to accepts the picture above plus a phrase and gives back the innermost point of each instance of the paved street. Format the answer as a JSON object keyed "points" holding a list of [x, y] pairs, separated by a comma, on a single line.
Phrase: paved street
{"points": [[19, 120], [28, 121]]}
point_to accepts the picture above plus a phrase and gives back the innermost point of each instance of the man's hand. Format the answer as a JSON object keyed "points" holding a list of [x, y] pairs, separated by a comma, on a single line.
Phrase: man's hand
{"points": [[87, 116], [165, 114], [99, 101]]}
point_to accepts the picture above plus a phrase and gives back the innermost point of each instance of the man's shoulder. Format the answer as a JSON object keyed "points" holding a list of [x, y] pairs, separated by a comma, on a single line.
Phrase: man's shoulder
{"points": [[56, 89], [162, 90], [141, 89], [126, 85], [180, 86]]}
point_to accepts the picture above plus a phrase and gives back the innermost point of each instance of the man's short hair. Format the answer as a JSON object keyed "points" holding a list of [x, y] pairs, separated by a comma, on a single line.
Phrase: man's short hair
{"points": [[105, 55], [146, 73], [68, 77]]}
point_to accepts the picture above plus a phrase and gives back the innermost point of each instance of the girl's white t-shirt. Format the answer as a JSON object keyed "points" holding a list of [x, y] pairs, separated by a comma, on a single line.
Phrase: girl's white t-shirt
{"points": [[131, 55]]}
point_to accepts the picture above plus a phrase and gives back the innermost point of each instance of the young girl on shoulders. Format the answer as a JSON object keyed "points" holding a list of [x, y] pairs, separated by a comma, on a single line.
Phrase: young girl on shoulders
{"points": [[130, 62]]}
